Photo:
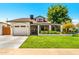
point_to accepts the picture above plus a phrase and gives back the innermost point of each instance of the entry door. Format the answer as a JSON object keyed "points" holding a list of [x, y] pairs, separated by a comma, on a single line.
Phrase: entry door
{"points": [[6, 30], [34, 30]]}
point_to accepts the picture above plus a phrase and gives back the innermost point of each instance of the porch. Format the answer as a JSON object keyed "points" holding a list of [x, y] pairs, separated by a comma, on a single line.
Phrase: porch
{"points": [[36, 29]]}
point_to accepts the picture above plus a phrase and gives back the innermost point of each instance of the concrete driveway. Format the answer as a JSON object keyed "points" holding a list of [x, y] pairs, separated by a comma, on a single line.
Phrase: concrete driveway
{"points": [[11, 41]]}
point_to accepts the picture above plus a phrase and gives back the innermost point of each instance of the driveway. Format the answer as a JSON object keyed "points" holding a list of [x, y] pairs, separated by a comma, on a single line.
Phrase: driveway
{"points": [[11, 41]]}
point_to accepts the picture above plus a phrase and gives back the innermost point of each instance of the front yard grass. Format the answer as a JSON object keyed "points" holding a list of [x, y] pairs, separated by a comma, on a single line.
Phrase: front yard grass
{"points": [[51, 42]]}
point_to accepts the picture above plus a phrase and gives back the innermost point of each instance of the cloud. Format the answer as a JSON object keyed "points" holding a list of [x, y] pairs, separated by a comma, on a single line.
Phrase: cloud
{"points": [[75, 21], [3, 19]]}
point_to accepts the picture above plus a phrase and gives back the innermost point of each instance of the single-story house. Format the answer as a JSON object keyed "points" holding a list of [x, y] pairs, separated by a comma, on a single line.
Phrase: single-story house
{"points": [[5, 29], [27, 26]]}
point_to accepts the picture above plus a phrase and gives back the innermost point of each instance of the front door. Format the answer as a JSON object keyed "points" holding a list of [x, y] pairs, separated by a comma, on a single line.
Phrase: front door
{"points": [[33, 30], [6, 30]]}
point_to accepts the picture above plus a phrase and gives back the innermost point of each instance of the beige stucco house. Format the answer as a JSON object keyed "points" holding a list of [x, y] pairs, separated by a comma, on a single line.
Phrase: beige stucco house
{"points": [[5, 28], [27, 26]]}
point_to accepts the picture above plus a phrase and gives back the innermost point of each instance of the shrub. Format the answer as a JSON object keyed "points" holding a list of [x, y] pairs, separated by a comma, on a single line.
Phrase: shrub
{"points": [[75, 30], [69, 28], [41, 32], [55, 32], [71, 31], [50, 32], [44, 32], [75, 35]]}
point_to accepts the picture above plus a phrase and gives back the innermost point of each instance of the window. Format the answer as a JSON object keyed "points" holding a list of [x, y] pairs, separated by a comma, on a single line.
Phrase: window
{"points": [[44, 28], [39, 19], [16, 26], [23, 26]]}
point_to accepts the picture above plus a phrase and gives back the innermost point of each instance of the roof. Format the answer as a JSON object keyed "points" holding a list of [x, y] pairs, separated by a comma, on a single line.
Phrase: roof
{"points": [[4, 23], [44, 23], [40, 16], [22, 20], [1, 22], [25, 20]]}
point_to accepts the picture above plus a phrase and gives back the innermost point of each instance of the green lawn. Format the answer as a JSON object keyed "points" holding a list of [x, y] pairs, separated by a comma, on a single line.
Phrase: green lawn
{"points": [[51, 42]]}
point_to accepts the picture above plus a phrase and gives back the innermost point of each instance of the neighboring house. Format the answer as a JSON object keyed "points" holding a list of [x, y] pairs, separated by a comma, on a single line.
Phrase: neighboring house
{"points": [[28, 26], [77, 26], [5, 29]]}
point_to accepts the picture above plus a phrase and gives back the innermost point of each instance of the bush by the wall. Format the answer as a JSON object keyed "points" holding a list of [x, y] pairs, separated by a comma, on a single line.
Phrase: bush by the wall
{"points": [[75, 35], [49, 32]]}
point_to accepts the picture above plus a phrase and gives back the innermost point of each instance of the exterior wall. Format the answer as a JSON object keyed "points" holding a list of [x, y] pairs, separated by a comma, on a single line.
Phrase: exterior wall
{"points": [[1, 29], [20, 30], [6, 30], [33, 29]]}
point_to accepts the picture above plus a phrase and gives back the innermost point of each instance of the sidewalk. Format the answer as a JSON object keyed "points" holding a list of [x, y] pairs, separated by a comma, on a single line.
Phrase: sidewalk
{"points": [[29, 51]]}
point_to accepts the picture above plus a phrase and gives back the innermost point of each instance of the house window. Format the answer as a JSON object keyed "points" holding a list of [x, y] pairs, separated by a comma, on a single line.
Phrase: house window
{"points": [[16, 26], [44, 28], [23, 26], [39, 19]]}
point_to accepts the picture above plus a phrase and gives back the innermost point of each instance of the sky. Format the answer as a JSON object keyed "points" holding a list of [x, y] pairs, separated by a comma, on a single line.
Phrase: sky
{"points": [[12, 11]]}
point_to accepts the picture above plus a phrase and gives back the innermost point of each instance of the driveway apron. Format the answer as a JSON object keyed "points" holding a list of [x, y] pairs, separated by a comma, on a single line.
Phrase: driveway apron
{"points": [[11, 41]]}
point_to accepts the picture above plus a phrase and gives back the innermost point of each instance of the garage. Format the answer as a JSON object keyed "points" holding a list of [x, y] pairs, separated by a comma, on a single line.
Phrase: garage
{"points": [[20, 29], [6, 30], [21, 26], [1, 24]]}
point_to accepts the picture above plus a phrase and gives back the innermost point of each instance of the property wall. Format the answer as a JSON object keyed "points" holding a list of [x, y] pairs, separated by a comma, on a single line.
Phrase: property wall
{"points": [[20, 30]]}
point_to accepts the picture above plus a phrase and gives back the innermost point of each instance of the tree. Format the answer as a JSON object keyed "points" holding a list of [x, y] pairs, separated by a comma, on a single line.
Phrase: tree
{"points": [[68, 25], [77, 25], [58, 13], [69, 28]]}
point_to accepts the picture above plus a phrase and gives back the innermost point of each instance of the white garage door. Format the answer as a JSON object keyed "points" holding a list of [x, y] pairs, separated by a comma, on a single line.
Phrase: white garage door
{"points": [[20, 30]]}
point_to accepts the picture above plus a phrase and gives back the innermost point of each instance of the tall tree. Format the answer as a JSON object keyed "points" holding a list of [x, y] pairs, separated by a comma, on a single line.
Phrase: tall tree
{"points": [[58, 13]]}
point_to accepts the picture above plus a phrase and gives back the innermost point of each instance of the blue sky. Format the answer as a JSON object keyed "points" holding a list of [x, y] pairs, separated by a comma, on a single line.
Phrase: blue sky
{"points": [[22, 10]]}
